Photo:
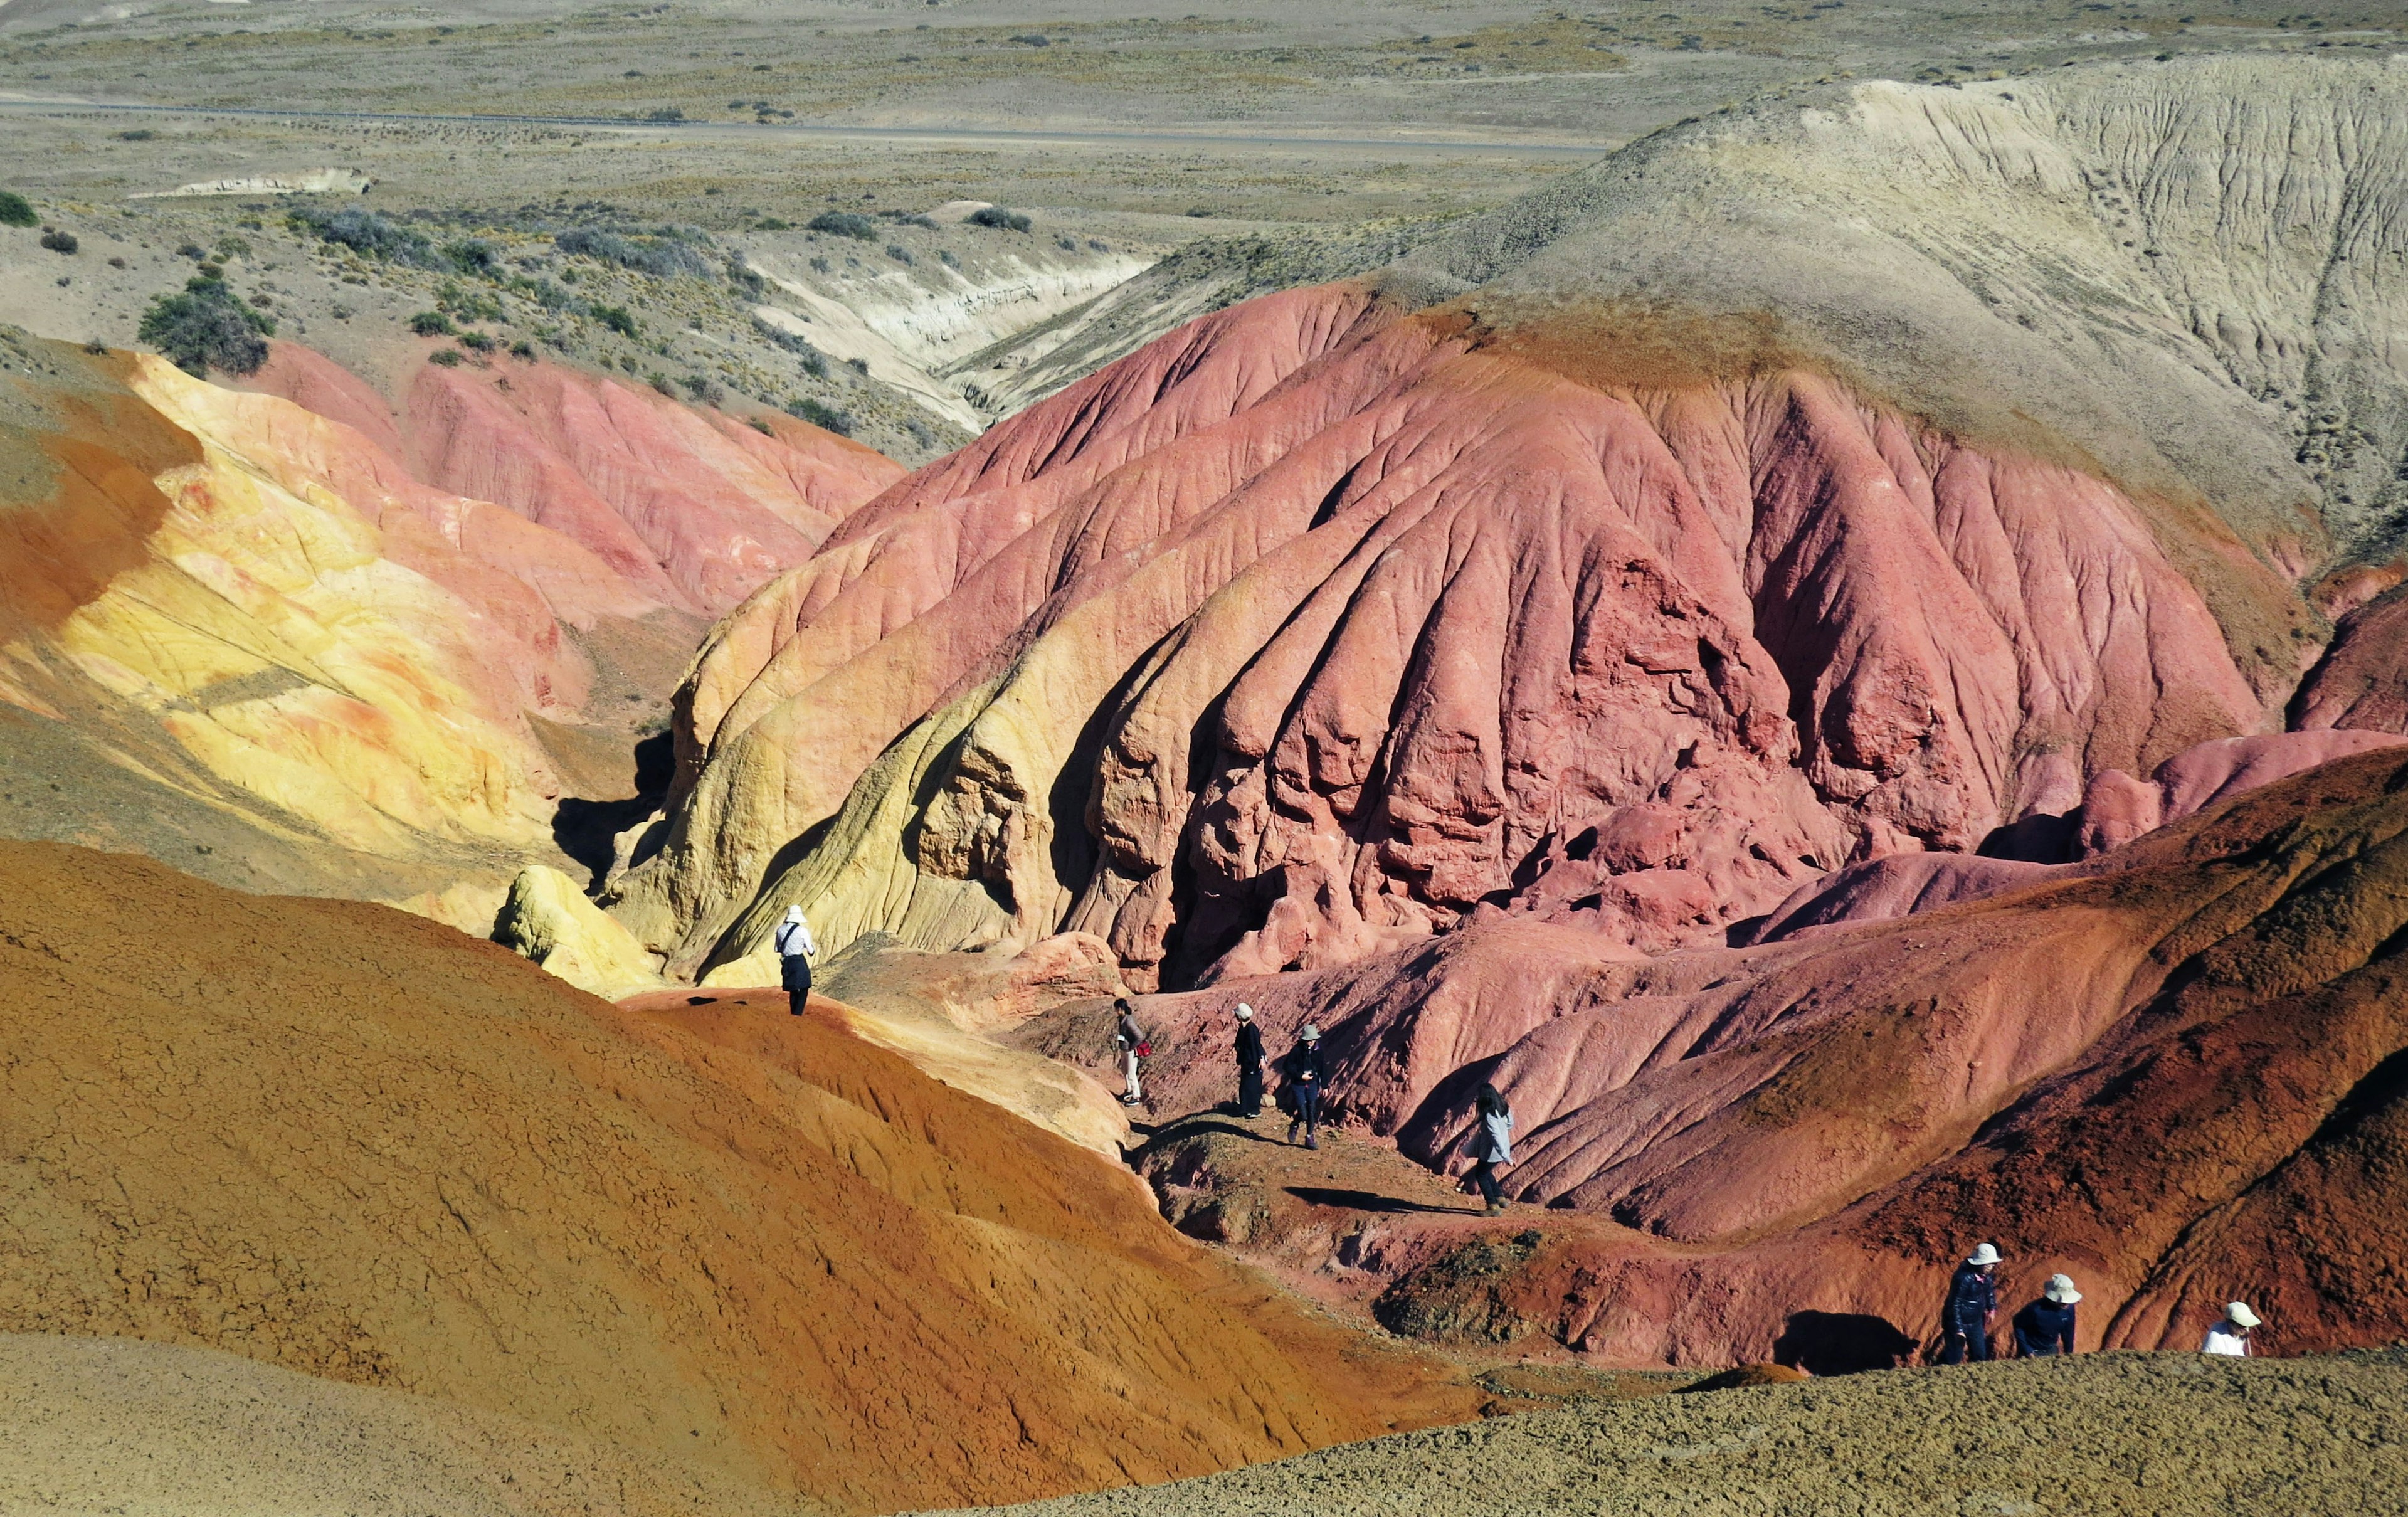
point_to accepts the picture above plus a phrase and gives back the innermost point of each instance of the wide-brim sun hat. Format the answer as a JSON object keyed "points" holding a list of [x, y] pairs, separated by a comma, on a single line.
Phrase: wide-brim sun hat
{"points": [[1985, 1254], [2241, 1315], [1245, 1012], [2060, 1290], [1310, 1034]]}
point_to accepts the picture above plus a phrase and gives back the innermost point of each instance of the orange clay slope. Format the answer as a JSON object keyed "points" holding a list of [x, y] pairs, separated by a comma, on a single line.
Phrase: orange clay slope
{"points": [[345, 1140]]}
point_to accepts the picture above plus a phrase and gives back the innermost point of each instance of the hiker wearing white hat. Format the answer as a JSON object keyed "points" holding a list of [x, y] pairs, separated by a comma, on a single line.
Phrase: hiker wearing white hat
{"points": [[1973, 1302], [1249, 1062], [1304, 1086], [2045, 1328], [795, 951], [2232, 1335]]}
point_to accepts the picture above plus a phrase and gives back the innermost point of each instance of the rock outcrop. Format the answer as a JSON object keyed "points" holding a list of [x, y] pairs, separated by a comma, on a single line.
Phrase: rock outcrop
{"points": [[349, 1142]]}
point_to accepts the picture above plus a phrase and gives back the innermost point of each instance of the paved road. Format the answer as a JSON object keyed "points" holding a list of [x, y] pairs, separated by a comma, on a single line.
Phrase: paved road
{"points": [[810, 133]]}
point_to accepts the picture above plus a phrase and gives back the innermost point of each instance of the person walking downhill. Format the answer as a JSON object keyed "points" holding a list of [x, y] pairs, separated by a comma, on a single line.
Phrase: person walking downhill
{"points": [[1249, 1062], [2230, 1335], [1492, 1142], [1304, 1086], [2045, 1328], [1973, 1301], [795, 951], [1132, 1043]]}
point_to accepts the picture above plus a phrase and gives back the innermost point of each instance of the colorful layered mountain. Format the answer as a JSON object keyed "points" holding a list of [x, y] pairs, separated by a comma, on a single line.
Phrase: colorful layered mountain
{"points": [[259, 637]]}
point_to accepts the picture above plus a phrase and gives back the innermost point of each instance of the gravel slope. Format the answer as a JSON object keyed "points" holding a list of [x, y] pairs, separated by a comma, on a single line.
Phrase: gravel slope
{"points": [[2127, 1433]]}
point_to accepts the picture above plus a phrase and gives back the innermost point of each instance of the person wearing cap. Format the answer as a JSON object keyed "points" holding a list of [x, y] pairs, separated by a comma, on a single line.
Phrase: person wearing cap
{"points": [[1249, 1062], [2230, 1335], [1304, 1086], [1131, 1039], [794, 952], [1973, 1301], [2045, 1328]]}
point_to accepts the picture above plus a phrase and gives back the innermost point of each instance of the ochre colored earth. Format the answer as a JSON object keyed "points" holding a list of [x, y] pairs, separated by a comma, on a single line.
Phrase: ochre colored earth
{"points": [[345, 1140]]}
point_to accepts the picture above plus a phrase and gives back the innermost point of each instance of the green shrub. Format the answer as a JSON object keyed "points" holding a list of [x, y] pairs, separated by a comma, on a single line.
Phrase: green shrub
{"points": [[140, 134], [16, 210], [1000, 218], [205, 327], [468, 305], [445, 358], [522, 350], [844, 223], [474, 255], [825, 416], [60, 243], [616, 318], [898, 253], [661, 382], [372, 232], [231, 246], [477, 342], [432, 323]]}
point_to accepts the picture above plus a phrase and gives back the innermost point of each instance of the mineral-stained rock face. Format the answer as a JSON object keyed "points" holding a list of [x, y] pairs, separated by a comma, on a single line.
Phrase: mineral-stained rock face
{"points": [[1316, 625]]}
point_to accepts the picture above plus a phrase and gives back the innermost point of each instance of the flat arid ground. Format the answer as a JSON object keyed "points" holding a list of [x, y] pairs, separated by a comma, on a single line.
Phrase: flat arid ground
{"points": [[1813, 594]]}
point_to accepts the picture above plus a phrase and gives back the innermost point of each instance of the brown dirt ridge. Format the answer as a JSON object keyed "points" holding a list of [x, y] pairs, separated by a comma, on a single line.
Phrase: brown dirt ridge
{"points": [[339, 1139]]}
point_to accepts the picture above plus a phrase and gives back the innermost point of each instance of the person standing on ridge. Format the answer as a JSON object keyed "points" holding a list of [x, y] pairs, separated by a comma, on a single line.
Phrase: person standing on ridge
{"points": [[1492, 1141], [1973, 1301], [2230, 1337], [1131, 1039], [2045, 1328], [794, 953], [1249, 1062], [1304, 1086]]}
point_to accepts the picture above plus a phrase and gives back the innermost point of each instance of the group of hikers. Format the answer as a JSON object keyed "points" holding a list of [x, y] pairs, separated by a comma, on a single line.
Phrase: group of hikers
{"points": [[1301, 1070], [2043, 1327]]}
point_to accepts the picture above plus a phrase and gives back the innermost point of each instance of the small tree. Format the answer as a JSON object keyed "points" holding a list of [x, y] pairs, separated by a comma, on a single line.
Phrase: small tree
{"points": [[206, 327], [16, 210]]}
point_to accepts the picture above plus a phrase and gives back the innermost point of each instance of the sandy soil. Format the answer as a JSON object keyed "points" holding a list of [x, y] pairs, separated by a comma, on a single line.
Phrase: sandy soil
{"points": [[2127, 1433], [120, 1425]]}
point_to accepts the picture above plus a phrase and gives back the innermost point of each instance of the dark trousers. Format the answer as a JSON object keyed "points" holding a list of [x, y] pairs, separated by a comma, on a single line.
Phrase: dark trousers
{"points": [[1308, 1108], [1483, 1175], [1971, 1341], [795, 971], [1250, 1092]]}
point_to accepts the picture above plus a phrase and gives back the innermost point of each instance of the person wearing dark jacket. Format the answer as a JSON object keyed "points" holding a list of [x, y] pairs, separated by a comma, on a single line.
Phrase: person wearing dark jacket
{"points": [[1249, 1062], [1131, 1039], [1492, 1144], [2045, 1328], [1304, 1086], [1973, 1301]]}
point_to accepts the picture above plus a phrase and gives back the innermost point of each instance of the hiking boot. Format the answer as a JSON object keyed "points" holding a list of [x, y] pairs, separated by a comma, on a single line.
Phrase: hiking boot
{"points": [[1291, 1134], [1310, 1141]]}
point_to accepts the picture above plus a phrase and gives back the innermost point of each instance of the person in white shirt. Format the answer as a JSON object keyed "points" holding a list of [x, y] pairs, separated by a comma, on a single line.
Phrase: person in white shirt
{"points": [[2232, 1335], [795, 952]]}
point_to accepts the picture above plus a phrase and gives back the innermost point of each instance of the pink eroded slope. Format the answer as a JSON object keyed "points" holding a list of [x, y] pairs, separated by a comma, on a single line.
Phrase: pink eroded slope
{"points": [[2173, 1072], [688, 512], [1454, 628]]}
